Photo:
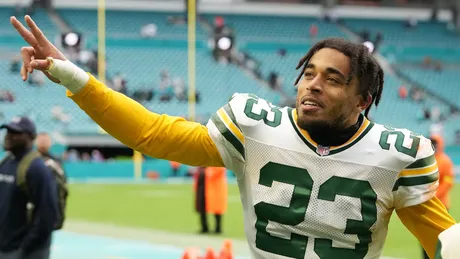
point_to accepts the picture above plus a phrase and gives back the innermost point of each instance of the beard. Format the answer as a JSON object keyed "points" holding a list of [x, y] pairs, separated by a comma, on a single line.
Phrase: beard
{"points": [[322, 125], [332, 132]]}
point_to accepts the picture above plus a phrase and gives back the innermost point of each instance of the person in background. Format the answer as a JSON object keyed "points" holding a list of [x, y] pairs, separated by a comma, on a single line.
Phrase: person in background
{"points": [[86, 156], [446, 174], [43, 143], [174, 168], [402, 92], [211, 196], [97, 156], [22, 237]]}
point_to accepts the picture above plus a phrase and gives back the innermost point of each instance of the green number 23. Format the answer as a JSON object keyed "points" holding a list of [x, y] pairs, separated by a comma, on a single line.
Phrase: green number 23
{"points": [[296, 246]]}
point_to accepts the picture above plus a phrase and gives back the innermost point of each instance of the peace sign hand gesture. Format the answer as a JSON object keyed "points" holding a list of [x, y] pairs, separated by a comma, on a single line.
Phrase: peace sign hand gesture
{"points": [[38, 54]]}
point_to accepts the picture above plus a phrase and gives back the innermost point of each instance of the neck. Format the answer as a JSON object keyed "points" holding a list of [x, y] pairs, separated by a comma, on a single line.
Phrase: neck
{"points": [[19, 153], [334, 136]]}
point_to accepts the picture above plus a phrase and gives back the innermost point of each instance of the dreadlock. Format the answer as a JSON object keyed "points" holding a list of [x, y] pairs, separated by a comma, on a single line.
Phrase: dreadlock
{"points": [[362, 65]]}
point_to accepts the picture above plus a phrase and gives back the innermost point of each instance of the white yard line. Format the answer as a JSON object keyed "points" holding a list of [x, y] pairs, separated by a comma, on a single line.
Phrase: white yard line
{"points": [[240, 247]]}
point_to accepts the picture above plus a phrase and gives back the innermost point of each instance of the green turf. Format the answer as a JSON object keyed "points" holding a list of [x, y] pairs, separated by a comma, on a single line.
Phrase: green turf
{"points": [[171, 207]]}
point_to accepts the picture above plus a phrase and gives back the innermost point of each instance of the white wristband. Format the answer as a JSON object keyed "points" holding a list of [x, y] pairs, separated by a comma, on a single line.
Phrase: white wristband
{"points": [[69, 75]]}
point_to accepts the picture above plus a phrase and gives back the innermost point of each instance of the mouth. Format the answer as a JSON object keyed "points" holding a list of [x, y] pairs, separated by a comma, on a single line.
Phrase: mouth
{"points": [[309, 102]]}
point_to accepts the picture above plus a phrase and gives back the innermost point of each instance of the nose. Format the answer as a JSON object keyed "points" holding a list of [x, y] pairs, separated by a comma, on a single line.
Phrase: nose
{"points": [[314, 85]]}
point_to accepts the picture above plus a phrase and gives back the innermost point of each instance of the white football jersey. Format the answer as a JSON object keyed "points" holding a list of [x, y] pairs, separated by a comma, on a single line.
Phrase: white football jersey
{"points": [[302, 200]]}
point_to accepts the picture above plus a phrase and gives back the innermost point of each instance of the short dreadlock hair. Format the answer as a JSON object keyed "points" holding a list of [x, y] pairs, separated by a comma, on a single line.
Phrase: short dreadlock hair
{"points": [[362, 65]]}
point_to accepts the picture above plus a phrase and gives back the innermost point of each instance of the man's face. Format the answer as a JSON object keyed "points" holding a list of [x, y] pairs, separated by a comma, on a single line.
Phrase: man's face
{"points": [[324, 100], [43, 143], [16, 140]]}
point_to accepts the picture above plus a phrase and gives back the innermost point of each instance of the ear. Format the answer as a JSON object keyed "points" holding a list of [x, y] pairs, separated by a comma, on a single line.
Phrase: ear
{"points": [[364, 102]]}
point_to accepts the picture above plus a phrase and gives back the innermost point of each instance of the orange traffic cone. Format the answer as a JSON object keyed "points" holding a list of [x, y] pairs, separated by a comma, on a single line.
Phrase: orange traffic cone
{"points": [[191, 253], [186, 255], [210, 254], [226, 252]]}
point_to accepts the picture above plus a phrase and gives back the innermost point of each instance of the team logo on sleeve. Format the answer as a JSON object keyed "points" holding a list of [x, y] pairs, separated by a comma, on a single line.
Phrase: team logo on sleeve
{"points": [[322, 150]]}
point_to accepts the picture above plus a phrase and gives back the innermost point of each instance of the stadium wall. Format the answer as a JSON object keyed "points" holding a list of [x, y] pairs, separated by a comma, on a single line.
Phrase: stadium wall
{"points": [[123, 170]]}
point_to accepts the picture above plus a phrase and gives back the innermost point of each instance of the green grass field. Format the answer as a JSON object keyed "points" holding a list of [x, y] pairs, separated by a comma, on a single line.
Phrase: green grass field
{"points": [[171, 208]]}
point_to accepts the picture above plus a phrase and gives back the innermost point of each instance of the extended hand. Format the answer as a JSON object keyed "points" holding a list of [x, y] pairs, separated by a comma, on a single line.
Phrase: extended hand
{"points": [[35, 56]]}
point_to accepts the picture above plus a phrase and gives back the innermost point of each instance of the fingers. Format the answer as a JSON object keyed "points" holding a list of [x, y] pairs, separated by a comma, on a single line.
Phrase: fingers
{"points": [[55, 80], [40, 64], [23, 72], [37, 33], [27, 54], [25, 34]]}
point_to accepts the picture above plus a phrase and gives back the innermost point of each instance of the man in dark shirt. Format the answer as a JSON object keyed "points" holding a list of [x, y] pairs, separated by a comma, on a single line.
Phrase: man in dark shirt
{"points": [[20, 237]]}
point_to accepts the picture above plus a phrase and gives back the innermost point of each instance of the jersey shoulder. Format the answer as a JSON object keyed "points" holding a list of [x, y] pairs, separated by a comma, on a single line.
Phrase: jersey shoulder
{"points": [[242, 116], [247, 113], [250, 110], [404, 147]]}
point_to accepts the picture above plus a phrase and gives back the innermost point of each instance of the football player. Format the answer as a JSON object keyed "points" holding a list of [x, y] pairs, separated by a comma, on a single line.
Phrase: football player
{"points": [[319, 181]]}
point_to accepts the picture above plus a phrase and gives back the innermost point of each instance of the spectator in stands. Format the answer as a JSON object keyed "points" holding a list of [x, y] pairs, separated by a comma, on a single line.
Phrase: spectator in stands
{"points": [[6, 96], [427, 62], [435, 114], [457, 137], [446, 174], [142, 95], [416, 94], [96, 156], [119, 83], [219, 24], [365, 35], [313, 31], [166, 92], [180, 91], [378, 41], [426, 114], [411, 23], [92, 63], [15, 66], [402, 92], [58, 114], [72, 155], [85, 157], [282, 52], [274, 81], [438, 66]]}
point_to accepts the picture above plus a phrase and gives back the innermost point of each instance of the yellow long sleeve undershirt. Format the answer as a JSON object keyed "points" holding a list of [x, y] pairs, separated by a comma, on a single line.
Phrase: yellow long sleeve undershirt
{"points": [[426, 221], [158, 136]]}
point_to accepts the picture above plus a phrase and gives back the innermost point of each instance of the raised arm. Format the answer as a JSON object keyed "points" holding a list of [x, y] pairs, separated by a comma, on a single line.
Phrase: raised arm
{"points": [[159, 136]]}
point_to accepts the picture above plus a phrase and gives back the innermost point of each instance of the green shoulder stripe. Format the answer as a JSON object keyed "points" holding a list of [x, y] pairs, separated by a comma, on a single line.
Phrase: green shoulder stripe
{"points": [[228, 135], [424, 162], [418, 180], [230, 114]]}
